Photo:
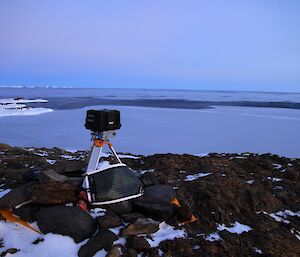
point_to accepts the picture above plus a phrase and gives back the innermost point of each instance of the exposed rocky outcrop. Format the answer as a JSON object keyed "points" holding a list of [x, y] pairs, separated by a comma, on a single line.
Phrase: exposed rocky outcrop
{"points": [[225, 192]]}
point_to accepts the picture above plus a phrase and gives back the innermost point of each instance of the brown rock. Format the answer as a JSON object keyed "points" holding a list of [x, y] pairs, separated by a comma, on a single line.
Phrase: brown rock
{"points": [[138, 243], [109, 220], [141, 226]]}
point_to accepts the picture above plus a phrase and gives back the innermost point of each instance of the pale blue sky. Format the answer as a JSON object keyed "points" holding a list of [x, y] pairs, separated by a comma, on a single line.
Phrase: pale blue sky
{"points": [[213, 44]]}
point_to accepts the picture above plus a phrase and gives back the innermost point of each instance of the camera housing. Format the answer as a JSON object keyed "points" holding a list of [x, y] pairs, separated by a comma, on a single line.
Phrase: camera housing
{"points": [[102, 120]]}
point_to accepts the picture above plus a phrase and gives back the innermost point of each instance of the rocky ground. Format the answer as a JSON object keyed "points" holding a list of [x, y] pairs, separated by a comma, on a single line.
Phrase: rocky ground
{"points": [[245, 204]]}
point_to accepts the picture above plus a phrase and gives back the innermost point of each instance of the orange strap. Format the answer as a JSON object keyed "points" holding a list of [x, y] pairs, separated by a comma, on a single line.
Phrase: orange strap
{"points": [[101, 143], [12, 218], [177, 203]]}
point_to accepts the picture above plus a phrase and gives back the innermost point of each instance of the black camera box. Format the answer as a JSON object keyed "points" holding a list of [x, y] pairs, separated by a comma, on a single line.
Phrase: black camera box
{"points": [[102, 120]]}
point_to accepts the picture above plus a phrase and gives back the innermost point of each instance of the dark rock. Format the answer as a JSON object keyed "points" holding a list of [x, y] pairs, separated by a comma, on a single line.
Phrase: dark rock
{"points": [[31, 175], [137, 243], [131, 217], [55, 193], [154, 208], [122, 207], [102, 240], [68, 166], [141, 226], [51, 175], [129, 252], [163, 192], [9, 252], [109, 220], [16, 196], [69, 221], [27, 212], [149, 179]]}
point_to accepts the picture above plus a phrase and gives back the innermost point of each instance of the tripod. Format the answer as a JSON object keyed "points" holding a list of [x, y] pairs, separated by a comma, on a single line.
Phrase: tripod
{"points": [[100, 139]]}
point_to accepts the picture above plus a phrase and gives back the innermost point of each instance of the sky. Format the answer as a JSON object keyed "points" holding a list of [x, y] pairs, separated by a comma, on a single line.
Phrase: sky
{"points": [[251, 45]]}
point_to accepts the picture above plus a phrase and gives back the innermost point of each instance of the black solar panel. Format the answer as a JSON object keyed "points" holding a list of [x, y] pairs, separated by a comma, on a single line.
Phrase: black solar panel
{"points": [[114, 183]]}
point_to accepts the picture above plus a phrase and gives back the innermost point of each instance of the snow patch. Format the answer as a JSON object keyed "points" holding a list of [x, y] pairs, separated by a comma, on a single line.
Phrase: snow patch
{"points": [[257, 250], [4, 192], [196, 176], [236, 228], [274, 179], [213, 237], [51, 161], [165, 232], [250, 182]]}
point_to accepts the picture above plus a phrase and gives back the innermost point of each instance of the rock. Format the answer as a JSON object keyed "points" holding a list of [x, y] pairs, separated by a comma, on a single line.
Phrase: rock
{"points": [[16, 196], [31, 175], [69, 221], [9, 252], [53, 193], [109, 220], [102, 240], [149, 179], [4, 147], [115, 251], [129, 252], [163, 192], [122, 207], [131, 217], [154, 208], [138, 243], [68, 166], [184, 212], [27, 212], [51, 175], [141, 226]]}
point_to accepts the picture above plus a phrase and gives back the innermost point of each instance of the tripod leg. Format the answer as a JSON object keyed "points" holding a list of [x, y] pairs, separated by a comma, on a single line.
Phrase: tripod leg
{"points": [[94, 158], [114, 153]]}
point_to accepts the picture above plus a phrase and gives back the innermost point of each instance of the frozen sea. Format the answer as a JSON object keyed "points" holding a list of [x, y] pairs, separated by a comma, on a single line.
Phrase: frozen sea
{"points": [[182, 128]]}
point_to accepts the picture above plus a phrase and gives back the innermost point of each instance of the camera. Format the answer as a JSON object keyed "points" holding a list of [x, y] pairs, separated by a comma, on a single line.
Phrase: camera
{"points": [[102, 120]]}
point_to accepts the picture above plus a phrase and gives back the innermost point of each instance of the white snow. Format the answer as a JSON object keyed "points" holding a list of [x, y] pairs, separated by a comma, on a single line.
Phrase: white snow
{"points": [[165, 232], [236, 228], [128, 156], [213, 237], [145, 171], [196, 176], [281, 216], [251, 181], [257, 250], [274, 179], [51, 161], [96, 212], [4, 192], [277, 166], [296, 233]]}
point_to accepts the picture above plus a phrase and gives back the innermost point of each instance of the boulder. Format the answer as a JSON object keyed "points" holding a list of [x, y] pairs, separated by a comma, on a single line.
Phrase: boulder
{"points": [[141, 226], [163, 192], [122, 207], [69, 221], [138, 243], [132, 217], [31, 175], [27, 212], [154, 208], [115, 251], [149, 179], [69, 166], [102, 240], [109, 220], [129, 252], [16, 196], [53, 193]]}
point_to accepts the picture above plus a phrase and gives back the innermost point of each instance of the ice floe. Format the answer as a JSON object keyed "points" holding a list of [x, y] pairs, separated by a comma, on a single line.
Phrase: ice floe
{"points": [[196, 176], [14, 107]]}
